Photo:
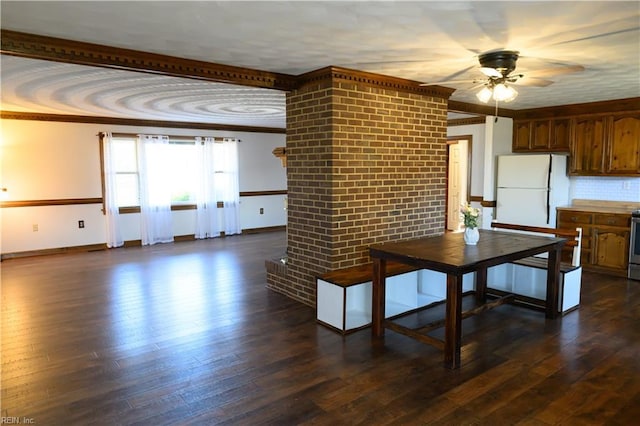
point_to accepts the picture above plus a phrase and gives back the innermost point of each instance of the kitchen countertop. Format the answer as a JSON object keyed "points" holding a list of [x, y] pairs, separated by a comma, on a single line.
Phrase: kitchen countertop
{"points": [[599, 206]]}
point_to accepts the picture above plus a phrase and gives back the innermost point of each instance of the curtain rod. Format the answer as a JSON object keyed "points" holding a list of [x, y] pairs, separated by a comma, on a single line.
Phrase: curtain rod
{"points": [[173, 138]]}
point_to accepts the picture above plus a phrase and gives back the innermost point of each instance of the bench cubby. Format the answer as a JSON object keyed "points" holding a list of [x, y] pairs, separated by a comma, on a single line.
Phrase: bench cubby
{"points": [[528, 278], [344, 296]]}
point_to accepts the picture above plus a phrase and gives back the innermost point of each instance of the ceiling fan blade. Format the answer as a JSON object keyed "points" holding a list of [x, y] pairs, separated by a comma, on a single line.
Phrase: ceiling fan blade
{"points": [[361, 64], [477, 86], [525, 80], [440, 83], [561, 70], [490, 72], [459, 73], [590, 31]]}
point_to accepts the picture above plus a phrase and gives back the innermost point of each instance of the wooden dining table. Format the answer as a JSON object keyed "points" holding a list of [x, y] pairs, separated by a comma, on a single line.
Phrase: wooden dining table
{"points": [[448, 253]]}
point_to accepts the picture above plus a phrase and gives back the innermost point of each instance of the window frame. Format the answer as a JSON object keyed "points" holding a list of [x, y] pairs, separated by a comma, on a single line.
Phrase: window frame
{"points": [[175, 206]]}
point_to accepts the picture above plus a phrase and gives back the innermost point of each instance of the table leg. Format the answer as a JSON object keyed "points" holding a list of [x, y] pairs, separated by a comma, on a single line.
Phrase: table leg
{"points": [[553, 284], [453, 321], [481, 285], [378, 296]]}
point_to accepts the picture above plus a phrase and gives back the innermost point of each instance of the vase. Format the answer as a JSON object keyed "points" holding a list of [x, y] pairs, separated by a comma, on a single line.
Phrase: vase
{"points": [[471, 236]]}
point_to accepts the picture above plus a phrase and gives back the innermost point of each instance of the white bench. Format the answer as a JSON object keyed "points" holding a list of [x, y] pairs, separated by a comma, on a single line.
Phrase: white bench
{"points": [[527, 278], [344, 296]]}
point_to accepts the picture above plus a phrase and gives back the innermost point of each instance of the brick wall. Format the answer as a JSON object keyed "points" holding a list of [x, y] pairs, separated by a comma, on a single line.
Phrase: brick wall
{"points": [[366, 163]]}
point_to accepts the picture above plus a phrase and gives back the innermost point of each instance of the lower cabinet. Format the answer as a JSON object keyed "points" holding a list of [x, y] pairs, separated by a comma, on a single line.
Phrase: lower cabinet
{"points": [[611, 248], [605, 239]]}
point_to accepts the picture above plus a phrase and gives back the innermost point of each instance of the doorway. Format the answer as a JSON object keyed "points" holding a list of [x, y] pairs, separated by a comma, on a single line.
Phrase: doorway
{"points": [[458, 179]]}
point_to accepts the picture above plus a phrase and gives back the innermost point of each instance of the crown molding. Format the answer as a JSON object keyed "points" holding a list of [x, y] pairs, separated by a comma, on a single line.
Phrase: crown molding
{"points": [[12, 115], [602, 107], [76, 52], [333, 73], [466, 121], [467, 108]]}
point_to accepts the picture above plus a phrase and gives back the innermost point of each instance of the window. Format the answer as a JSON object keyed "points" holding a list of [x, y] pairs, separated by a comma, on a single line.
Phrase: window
{"points": [[153, 174], [126, 168], [183, 172]]}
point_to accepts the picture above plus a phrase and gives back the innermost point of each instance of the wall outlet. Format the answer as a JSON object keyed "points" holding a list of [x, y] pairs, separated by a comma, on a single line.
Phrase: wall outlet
{"points": [[35, 227], [626, 185], [261, 210], [81, 224]]}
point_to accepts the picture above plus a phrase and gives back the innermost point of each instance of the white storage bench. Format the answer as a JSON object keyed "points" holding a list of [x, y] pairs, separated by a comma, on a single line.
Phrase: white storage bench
{"points": [[527, 278], [344, 296]]}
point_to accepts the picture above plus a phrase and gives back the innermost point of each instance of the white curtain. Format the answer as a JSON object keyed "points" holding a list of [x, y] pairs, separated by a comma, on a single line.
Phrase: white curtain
{"points": [[207, 219], [112, 212], [230, 188], [218, 163], [154, 165]]}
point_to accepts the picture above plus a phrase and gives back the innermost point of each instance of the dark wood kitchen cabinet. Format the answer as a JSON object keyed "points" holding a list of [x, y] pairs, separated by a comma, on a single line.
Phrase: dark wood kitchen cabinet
{"points": [[598, 144], [521, 136], [560, 135], [587, 148], [605, 239], [611, 248], [547, 135], [606, 145], [623, 154]]}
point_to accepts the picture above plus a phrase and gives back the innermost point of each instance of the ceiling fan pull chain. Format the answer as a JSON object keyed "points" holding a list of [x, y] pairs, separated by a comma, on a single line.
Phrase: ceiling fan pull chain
{"points": [[495, 120]]}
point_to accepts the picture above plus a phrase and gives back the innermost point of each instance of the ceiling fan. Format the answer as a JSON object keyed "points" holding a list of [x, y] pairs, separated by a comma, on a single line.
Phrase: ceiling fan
{"points": [[498, 67]]}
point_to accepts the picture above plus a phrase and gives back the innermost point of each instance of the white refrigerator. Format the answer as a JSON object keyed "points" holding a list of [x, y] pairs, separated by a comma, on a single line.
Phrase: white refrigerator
{"points": [[530, 187]]}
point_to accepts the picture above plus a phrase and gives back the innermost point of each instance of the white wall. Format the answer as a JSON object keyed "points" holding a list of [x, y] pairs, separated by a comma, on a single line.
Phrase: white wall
{"points": [[477, 132], [488, 140], [49, 161]]}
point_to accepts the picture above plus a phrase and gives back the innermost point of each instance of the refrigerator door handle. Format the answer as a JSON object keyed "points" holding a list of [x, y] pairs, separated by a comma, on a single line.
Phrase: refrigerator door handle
{"points": [[548, 206], [549, 189]]}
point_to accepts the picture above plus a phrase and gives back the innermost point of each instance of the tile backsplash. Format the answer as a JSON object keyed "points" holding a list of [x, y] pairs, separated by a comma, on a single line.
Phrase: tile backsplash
{"points": [[605, 188]]}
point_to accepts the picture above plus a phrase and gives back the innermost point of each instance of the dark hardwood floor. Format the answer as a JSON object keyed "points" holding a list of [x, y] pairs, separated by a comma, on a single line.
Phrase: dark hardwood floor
{"points": [[187, 334]]}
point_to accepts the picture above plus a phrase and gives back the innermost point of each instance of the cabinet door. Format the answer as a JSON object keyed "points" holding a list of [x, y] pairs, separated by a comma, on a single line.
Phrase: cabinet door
{"points": [[560, 135], [587, 146], [521, 136], [568, 219], [612, 248], [540, 135], [624, 146]]}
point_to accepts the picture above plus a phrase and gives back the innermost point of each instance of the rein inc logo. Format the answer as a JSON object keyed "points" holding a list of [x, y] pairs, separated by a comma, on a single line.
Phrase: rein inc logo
{"points": [[17, 420]]}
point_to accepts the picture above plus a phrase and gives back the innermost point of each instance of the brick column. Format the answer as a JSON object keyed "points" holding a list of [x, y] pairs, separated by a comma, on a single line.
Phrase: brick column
{"points": [[366, 163]]}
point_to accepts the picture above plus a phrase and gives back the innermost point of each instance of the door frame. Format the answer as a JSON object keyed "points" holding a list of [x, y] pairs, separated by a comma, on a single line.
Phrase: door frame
{"points": [[452, 140]]}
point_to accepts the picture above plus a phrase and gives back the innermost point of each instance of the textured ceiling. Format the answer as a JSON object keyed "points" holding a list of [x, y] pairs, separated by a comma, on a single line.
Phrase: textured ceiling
{"points": [[424, 41], [30, 85]]}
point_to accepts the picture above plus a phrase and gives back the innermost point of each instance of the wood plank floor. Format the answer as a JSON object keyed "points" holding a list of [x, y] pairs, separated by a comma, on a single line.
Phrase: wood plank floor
{"points": [[187, 334]]}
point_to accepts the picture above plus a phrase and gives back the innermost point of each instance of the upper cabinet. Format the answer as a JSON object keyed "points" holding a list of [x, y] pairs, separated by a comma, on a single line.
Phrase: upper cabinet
{"points": [[606, 145], [560, 139], [546, 135], [623, 155], [587, 148], [598, 144]]}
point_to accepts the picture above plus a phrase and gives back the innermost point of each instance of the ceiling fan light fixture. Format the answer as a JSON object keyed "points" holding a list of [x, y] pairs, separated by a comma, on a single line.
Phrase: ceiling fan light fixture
{"points": [[504, 93], [484, 94]]}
